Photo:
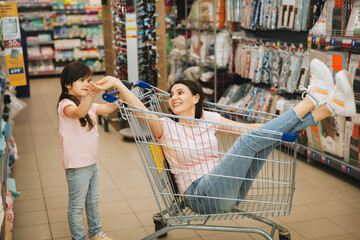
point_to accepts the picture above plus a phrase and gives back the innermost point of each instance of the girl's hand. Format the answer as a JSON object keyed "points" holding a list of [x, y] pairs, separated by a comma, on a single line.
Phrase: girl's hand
{"points": [[94, 90]]}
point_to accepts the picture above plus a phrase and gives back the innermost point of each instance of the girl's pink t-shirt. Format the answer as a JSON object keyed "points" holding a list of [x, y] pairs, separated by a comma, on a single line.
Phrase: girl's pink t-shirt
{"points": [[190, 151], [79, 145]]}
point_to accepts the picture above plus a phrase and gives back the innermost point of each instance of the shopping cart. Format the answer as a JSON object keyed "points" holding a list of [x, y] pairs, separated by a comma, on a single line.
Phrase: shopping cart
{"points": [[268, 191]]}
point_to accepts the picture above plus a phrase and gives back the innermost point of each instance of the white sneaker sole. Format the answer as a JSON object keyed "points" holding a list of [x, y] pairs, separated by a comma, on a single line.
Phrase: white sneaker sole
{"points": [[320, 69], [343, 78]]}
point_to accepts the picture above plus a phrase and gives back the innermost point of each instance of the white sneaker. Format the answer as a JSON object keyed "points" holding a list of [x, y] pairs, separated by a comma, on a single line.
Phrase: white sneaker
{"points": [[321, 83], [100, 236], [341, 101]]}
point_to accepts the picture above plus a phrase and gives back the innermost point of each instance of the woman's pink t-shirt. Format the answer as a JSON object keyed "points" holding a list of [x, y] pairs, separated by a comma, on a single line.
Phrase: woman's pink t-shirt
{"points": [[79, 145], [190, 151]]}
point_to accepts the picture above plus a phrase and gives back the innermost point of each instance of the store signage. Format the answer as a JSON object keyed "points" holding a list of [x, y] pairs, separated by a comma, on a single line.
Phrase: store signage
{"points": [[11, 43]]}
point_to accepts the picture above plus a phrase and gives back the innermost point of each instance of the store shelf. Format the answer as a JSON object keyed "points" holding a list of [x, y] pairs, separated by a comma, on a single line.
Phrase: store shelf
{"points": [[329, 160], [80, 24], [82, 48], [346, 42], [38, 29], [39, 73], [40, 43], [75, 11], [69, 37], [77, 59], [34, 6], [41, 58]]}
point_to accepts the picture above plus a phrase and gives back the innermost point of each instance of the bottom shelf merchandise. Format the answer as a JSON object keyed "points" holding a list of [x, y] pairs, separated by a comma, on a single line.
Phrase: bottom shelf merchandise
{"points": [[10, 106]]}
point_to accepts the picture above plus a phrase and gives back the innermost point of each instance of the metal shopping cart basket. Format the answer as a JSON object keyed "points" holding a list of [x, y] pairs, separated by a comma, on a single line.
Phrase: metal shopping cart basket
{"points": [[269, 191]]}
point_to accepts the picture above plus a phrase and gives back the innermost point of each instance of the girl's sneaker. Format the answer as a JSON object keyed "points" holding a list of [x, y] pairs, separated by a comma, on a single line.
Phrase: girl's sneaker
{"points": [[100, 236], [321, 82], [341, 101]]}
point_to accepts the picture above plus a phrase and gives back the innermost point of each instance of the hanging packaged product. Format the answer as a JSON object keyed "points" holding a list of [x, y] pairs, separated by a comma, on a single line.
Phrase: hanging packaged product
{"points": [[319, 29], [276, 66], [11, 37], [254, 62], [296, 61], [255, 14], [245, 57], [222, 49], [259, 65], [285, 68], [246, 15], [205, 10], [266, 73], [304, 72], [353, 28]]}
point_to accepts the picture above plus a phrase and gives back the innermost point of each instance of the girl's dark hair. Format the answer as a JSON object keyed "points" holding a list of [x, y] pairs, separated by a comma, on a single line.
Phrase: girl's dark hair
{"points": [[71, 73], [195, 88]]}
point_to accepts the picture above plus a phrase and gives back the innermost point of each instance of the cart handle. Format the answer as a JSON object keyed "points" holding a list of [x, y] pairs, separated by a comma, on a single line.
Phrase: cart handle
{"points": [[110, 98]]}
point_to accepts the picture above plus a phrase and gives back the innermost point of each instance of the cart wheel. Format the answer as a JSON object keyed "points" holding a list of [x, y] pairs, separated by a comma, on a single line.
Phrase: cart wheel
{"points": [[160, 225], [284, 236], [310, 161]]}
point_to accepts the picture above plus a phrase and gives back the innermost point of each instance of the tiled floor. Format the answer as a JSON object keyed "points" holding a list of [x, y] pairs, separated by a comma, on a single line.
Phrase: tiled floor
{"points": [[326, 203]]}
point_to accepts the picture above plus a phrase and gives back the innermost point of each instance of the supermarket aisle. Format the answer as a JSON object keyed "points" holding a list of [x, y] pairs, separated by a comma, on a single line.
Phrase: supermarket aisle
{"points": [[326, 204]]}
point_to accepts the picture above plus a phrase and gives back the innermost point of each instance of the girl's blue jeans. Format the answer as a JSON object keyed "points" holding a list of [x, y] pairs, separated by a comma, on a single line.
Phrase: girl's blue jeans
{"points": [[83, 184], [255, 144]]}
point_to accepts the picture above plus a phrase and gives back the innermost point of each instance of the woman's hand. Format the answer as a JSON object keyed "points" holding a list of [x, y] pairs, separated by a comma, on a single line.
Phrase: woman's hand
{"points": [[94, 90], [105, 83]]}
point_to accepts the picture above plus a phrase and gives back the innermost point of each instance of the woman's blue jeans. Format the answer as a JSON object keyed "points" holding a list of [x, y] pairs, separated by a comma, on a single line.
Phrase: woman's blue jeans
{"points": [[255, 144], [83, 184]]}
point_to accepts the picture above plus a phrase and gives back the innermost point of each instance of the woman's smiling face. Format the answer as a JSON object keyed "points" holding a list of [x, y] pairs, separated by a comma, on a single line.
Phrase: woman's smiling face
{"points": [[182, 102]]}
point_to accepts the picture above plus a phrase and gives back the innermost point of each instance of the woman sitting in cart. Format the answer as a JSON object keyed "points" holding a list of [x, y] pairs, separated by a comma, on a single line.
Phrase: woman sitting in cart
{"points": [[218, 194]]}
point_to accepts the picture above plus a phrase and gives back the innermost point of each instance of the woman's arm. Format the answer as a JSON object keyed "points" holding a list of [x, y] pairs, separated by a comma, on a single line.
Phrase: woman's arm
{"points": [[106, 108], [156, 126], [229, 130]]}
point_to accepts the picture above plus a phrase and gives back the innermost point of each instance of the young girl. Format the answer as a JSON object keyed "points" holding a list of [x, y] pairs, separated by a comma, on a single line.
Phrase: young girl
{"points": [[79, 139]]}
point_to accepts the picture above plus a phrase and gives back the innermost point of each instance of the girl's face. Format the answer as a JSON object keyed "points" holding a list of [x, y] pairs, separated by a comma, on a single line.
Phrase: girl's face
{"points": [[182, 102], [80, 88]]}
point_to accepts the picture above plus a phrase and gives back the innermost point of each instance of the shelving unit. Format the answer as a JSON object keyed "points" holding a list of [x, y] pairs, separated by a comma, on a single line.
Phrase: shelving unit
{"points": [[351, 44], [36, 20], [64, 24], [345, 42], [84, 25], [3, 169]]}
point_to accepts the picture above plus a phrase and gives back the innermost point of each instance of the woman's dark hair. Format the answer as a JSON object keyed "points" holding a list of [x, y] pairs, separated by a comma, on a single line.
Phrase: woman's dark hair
{"points": [[195, 88], [71, 73]]}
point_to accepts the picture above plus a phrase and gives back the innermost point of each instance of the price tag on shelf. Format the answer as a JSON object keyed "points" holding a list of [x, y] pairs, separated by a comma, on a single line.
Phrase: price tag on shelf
{"points": [[353, 43], [323, 159], [327, 41], [332, 42], [308, 153], [346, 42], [309, 40], [313, 40]]}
